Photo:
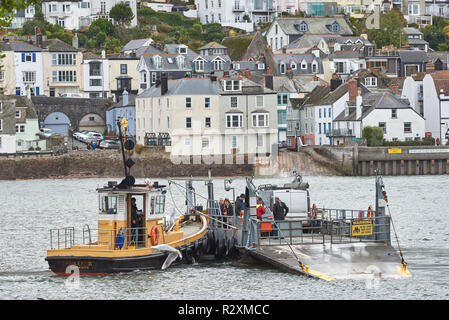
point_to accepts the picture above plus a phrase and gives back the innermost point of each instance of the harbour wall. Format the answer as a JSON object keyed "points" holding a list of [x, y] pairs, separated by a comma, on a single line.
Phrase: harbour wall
{"points": [[359, 161], [155, 162], [152, 162]]}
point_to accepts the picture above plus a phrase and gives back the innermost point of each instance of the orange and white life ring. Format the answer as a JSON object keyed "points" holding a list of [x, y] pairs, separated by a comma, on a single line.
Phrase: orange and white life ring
{"points": [[154, 235]]}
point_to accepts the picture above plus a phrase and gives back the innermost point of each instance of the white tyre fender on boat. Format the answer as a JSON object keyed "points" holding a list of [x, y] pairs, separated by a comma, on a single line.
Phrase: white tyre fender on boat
{"points": [[173, 254]]}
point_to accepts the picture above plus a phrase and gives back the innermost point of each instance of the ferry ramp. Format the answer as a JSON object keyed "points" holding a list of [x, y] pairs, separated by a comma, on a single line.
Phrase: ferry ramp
{"points": [[329, 250]]}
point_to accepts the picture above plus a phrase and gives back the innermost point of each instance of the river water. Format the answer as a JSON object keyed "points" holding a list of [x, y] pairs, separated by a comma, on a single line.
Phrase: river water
{"points": [[28, 209]]}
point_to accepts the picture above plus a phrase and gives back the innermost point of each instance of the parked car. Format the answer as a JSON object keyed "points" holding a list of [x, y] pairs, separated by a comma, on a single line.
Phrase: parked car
{"points": [[93, 137], [76, 135], [109, 144], [46, 132], [83, 136]]}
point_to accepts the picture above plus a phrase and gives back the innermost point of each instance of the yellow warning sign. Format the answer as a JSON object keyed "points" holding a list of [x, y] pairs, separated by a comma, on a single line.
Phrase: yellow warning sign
{"points": [[395, 150], [362, 228]]}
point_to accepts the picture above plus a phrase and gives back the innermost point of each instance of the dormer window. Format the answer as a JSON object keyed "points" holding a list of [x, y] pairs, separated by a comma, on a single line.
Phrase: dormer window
{"points": [[232, 85], [282, 68], [371, 82], [182, 50], [181, 62], [157, 61], [218, 63], [335, 27], [303, 65], [199, 65], [302, 27], [314, 67], [293, 66], [261, 66]]}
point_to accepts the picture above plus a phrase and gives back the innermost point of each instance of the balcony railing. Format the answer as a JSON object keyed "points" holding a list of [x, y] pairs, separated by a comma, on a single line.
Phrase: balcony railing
{"points": [[238, 8], [340, 133]]}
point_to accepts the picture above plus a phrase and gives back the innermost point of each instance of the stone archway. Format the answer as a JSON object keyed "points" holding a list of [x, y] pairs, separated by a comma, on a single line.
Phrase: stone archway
{"points": [[59, 122], [92, 122]]}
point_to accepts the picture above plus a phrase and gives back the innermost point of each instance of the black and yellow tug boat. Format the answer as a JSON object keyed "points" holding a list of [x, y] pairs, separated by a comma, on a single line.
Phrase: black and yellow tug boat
{"points": [[133, 233]]}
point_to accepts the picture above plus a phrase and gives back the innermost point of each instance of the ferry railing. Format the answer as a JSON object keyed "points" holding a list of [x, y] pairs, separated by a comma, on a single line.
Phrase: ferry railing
{"points": [[322, 230], [120, 238], [341, 224], [131, 238], [292, 232], [62, 238]]}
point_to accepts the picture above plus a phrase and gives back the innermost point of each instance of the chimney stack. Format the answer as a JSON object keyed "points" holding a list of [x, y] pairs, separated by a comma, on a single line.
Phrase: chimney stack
{"points": [[247, 73], [269, 81], [289, 73], [75, 41], [358, 104], [352, 89], [284, 50], [164, 83], [430, 67], [125, 98], [39, 41]]}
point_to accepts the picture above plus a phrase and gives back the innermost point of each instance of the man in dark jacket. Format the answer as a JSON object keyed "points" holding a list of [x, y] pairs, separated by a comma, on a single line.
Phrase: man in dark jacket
{"points": [[239, 204], [280, 209]]}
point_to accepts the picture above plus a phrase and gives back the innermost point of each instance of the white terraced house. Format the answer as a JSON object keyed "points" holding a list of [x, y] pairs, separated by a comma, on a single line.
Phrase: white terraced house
{"points": [[80, 14]]}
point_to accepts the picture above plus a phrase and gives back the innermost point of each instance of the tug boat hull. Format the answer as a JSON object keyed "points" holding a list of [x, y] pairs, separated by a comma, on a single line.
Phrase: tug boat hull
{"points": [[96, 266]]}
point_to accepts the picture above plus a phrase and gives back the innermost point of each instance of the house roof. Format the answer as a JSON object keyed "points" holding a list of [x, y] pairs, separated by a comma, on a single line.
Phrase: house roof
{"points": [[56, 45], [298, 83], [413, 56], [184, 86], [213, 45], [18, 46], [409, 30], [314, 25], [316, 95], [136, 44], [441, 81], [347, 54], [172, 48], [24, 102], [372, 101], [333, 96]]}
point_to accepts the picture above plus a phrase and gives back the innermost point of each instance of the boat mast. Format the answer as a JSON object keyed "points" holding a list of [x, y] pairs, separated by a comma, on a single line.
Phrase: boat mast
{"points": [[121, 143]]}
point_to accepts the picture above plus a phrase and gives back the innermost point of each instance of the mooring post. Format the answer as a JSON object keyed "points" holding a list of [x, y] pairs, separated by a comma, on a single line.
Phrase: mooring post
{"points": [[381, 223]]}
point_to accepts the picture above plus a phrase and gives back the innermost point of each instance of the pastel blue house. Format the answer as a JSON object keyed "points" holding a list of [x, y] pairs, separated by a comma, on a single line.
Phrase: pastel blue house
{"points": [[124, 108]]}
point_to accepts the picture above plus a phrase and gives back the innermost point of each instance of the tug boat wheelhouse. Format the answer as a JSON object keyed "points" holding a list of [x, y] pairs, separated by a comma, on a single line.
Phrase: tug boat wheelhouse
{"points": [[140, 237]]}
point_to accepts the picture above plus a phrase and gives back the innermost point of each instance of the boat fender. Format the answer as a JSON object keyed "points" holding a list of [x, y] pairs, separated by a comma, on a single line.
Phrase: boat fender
{"points": [[314, 211], [197, 251], [211, 242], [204, 247], [189, 256], [370, 211], [154, 235]]}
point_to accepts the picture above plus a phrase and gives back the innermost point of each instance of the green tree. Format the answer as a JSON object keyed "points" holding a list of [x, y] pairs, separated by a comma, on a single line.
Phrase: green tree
{"points": [[121, 13], [374, 136], [100, 25], [390, 32], [213, 32]]}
